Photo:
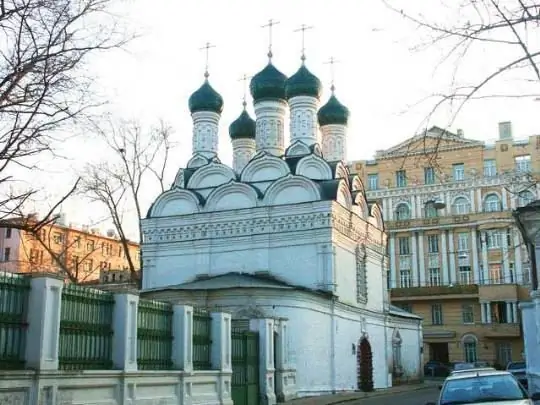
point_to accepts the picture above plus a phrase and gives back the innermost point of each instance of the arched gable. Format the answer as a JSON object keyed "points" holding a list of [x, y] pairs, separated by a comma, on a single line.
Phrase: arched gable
{"points": [[357, 184], [344, 196], [360, 206], [175, 202], [317, 150], [265, 168], [457, 197], [376, 217], [212, 175], [491, 194], [230, 196], [469, 338], [297, 148], [341, 172], [179, 180], [314, 167], [196, 161], [291, 190]]}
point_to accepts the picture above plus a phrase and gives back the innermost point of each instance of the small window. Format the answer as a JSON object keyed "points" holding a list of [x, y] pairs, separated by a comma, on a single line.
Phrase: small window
{"points": [[429, 175], [467, 311], [403, 212], [430, 210], [373, 181], [433, 243], [401, 178], [404, 246], [7, 253], [490, 167], [523, 163], [8, 233], [463, 241], [436, 314], [434, 277], [458, 171], [492, 203], [461, 206]]}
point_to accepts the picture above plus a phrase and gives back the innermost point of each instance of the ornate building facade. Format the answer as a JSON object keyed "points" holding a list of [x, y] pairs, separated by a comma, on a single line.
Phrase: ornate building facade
{"points": [[456, 256]]}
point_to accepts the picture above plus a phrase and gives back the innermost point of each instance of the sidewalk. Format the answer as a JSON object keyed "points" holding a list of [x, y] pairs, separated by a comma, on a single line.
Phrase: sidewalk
{"points": [[351, 396]]}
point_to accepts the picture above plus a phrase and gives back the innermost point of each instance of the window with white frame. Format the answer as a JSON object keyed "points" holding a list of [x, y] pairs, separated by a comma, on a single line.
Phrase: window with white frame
{"points": [[401, 178], [461, 206], [403, 212], [463, 241], [458, 171], [465, 275], [429, 175], [430, 211], [467, 311], [495, 239], [436, 314], [434, 277], [405, 279], [433, 243], [524, 198], [492, 203], [495, 274], [523, 163], [373, 181], [490, 167], [470, 349], [404, 244]]}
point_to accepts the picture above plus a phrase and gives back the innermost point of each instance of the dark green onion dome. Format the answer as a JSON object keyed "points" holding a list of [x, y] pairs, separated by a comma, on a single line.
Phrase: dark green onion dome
{"points": [[268, 83], [333, 112], [206, 99], [243, 127], [303, 83]]}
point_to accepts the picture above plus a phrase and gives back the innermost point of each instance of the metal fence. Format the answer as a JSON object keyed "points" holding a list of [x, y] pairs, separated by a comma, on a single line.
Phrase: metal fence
{"points": [[14, 292], [154, 335], [201, 340], [85, 329]]}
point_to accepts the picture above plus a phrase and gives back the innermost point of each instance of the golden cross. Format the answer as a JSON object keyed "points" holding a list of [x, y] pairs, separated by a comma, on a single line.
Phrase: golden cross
{"points": [[332, 62], [245, 79], [270, 24], [207, 49], [303, 28]]}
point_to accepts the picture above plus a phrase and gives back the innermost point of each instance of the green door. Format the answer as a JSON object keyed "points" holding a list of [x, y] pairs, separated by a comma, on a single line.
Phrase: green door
{"points": [[245, 366]]}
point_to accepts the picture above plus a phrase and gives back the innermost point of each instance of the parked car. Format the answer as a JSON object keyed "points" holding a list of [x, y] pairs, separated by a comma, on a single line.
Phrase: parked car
{"points": [[484, 386], [519, 370], [436, 369], [468, 370], [463, 366]]}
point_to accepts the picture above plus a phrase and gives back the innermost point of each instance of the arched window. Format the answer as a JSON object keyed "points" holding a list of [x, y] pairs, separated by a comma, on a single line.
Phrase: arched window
{"points": [[469, 343], [461, 206], [492, 203], [524, 198], [403, 212], [430, 211]]}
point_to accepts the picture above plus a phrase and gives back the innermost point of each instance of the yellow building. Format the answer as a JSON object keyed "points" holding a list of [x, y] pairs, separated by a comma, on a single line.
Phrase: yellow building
{"points": [[456, 257], [85, 254]]}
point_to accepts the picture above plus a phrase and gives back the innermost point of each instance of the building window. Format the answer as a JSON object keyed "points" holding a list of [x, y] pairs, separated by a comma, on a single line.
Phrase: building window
{"points": [[7, 252], [458, 171], [523, 163], [525, 197], [430, 210], [490, 167], [429, 175], [433, 243], [90, 246], [498, 312], [434, 277], [8, 233], [469, 349], [436, 314], [511, 273], [463, 242], [467, 311], [405, 279], [406, 306], [373, 181], [495, 239], [504, 353], [401, 178], [403, 212], [492, 203], [461, 206], [465, 275], [495, 276], [404, 244]]}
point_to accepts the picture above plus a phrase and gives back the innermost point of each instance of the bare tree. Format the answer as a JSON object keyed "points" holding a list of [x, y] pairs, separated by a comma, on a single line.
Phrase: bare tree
{"points": [[140, 156], [44, 86]]}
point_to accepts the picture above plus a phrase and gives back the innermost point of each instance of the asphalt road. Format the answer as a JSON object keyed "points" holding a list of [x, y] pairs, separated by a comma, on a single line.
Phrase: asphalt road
{"points": [[419, 397]]}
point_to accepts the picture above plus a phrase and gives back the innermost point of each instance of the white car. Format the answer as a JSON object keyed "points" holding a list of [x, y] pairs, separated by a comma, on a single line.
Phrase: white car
{"points": [[484, 387]]}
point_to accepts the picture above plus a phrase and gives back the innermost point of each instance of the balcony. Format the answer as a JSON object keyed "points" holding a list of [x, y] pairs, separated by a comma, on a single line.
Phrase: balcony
{"points": [[501, 330], [498, 292], [452, 220], [439, 292]]}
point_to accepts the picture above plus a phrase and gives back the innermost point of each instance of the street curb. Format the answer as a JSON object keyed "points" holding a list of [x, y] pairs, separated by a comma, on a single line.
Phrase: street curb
{"points": [[380, 394]]}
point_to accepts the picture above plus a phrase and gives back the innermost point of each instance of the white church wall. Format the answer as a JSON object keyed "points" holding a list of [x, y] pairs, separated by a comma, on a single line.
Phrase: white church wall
{"points": [[375, 283], [410, 333], [345, 271]]}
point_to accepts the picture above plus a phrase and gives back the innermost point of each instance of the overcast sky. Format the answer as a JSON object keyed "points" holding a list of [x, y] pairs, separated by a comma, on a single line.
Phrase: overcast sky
{"points": [[379, 76]]}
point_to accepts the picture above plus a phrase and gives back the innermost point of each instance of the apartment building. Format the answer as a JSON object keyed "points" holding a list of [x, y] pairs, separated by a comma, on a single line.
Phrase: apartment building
{"points": [[85, 253], [456, 257]]}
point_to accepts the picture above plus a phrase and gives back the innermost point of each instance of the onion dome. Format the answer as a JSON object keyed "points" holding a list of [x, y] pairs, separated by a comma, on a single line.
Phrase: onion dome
{"points": [[303, 83], [243, 127], [333, 112], [268, 83], [206, 99]]}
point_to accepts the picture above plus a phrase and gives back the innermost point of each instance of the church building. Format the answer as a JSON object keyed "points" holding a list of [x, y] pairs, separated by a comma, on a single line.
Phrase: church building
{"points": [[285, 233]]}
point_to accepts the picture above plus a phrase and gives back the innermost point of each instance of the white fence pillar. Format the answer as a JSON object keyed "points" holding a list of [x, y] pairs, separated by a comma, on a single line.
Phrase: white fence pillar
{"points": [[182, 346], [265, 327], [221, 341], [43, 333], [124, 347]]}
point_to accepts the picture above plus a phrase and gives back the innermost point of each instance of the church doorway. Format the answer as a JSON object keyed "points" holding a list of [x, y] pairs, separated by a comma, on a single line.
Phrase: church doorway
{"points": [[364, 359]]}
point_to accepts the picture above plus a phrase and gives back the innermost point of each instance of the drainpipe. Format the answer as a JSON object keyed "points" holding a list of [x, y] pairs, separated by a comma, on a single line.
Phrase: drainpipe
{"points": [[333, 345]]}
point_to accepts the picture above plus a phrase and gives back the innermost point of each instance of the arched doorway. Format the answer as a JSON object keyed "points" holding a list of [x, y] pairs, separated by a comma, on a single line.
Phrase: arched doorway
{"points": [[364, 359]]}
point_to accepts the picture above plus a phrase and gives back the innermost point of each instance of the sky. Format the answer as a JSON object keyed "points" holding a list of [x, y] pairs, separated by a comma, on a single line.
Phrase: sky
{"points": [[381, 75]]}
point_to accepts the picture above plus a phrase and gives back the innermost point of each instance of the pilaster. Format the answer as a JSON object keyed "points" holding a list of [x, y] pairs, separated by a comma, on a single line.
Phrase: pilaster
{"points": [[221, 341], [474, 248], [452, 273], [414, 260], [444, 258], [518, 261], [485, 265], [265, 327], [124, 345], [393, 269], [421, 260], [505, 264], [285, 372], [182, 345]]}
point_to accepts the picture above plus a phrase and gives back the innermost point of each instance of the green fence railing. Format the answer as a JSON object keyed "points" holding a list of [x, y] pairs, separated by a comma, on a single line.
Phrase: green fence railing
{"points": [[154, 335], [201, 340], [85, 329], [14, 292]]}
